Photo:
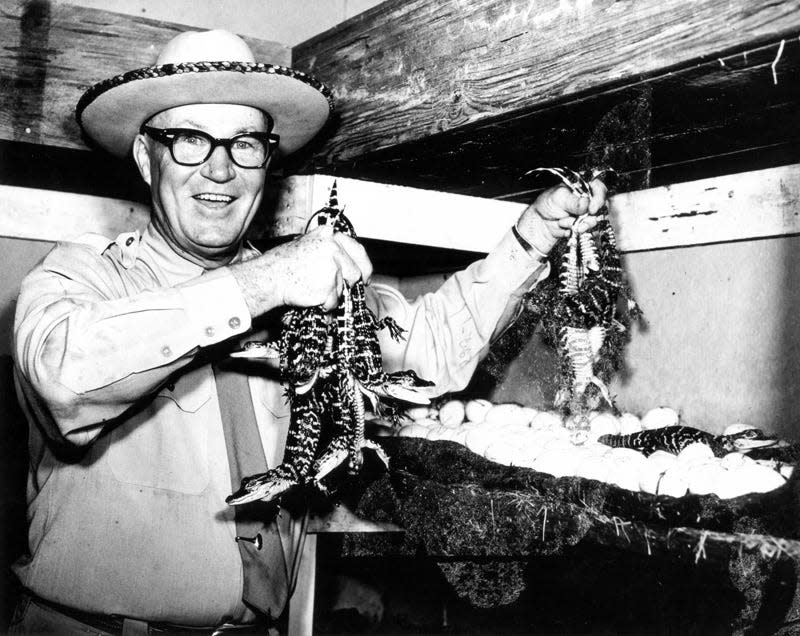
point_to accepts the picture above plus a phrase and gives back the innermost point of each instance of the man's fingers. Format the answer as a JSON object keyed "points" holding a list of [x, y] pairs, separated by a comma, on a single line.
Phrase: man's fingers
{"points": [[564, 200], [357, 256], [598, 199]]}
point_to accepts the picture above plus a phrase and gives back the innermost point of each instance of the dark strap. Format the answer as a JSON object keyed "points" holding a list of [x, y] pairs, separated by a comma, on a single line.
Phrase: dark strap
{"points": [[266, 586]]}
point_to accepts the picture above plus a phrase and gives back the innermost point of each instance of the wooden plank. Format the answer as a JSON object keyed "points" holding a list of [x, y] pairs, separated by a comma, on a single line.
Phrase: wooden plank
{"points": [[729, 208], [47, 215], [407, 70], [720, 116], [53, 52]]}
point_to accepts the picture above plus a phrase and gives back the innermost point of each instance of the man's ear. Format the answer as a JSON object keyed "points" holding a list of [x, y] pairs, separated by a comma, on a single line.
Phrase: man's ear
{"points": [[141, 155]]}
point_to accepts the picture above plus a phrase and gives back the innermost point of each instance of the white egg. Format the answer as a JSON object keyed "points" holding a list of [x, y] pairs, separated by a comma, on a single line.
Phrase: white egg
{"points": [[458, 435], [626, 455], [605, 424], [436, 432], [695, 452], [557, 462], [413, 430], [476, 410], [704, 479], [547, 420], [625, 474], [594, 467], [417, 412], [659, 418], [479, 438], [503, 452], [786, 470], [504, 414], [733, 461], [649, 476], [759, 478], [528, 413], [662, 460], [738, 427], [629, 423], [451, 413], [674, 482], [426, 421]]}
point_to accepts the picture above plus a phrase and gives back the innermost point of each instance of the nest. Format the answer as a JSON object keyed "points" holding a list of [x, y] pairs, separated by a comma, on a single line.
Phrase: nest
{"points": [[482, 521]]}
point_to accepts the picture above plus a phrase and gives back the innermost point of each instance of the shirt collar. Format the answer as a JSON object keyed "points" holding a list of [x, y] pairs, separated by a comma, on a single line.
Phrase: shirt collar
{"points": [[173, 267]]}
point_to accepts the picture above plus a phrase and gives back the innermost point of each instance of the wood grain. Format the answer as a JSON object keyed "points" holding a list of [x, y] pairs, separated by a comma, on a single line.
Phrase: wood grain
{"points": [[410, 69], [731, 208], [52, 53]]}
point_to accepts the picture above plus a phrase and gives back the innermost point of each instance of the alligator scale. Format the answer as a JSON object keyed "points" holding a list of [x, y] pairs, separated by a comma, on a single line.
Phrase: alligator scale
{"points": [[673, 439], [581, 311], [330, 363]]}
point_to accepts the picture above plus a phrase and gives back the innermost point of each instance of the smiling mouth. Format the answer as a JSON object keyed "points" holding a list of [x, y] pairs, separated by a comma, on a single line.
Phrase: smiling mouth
{"points": [[211, 197]]}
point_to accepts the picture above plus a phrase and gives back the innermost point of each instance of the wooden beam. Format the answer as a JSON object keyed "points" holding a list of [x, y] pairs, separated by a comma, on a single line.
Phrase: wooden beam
{"points": [[54, 51], [730, 208], [47, 215], [409, 69]]}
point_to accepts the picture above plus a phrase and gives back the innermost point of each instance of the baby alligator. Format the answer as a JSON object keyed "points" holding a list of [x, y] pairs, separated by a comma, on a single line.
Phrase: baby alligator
{"points": [[674, 439]]}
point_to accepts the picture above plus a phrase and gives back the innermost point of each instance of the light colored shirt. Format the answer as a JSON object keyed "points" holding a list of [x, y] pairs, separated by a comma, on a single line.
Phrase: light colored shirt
{"points": [[107, 334]]}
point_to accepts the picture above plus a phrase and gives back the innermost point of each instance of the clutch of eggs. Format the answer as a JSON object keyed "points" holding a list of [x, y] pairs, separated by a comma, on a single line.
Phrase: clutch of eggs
{"points": [[515, 435]]}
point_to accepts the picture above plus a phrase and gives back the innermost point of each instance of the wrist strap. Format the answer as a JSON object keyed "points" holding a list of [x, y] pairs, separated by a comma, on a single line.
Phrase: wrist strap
{"points": [[530, 249]]}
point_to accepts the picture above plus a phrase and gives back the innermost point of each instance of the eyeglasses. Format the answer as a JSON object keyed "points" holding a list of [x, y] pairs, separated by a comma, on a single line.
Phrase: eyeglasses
{"points": [[190, 147]]}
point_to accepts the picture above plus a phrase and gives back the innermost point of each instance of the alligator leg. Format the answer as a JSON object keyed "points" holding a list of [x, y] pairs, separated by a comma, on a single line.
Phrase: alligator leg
{"points": [[301, 446]]}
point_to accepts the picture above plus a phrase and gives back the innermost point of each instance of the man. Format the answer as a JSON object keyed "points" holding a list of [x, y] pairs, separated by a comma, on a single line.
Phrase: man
{"points": [[121, 343]]}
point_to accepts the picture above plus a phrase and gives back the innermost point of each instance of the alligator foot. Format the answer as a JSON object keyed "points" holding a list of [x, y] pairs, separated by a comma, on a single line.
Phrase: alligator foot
{"points": [[395, 330]]}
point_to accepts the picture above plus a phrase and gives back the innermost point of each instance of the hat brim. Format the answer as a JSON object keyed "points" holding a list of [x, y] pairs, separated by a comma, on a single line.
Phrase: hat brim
{"points": [[112, 111]]}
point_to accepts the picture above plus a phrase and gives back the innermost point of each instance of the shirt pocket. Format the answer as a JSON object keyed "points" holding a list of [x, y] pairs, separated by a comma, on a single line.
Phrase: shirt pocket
{"points": [[165, 445]]}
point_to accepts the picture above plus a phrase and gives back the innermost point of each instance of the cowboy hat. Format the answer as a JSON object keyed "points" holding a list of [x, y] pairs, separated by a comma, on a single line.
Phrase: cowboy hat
{"points": [[198, 68]]}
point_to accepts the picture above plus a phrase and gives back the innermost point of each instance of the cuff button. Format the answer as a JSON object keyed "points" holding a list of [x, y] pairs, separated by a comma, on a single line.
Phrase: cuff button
{"points": [[234, 323]]}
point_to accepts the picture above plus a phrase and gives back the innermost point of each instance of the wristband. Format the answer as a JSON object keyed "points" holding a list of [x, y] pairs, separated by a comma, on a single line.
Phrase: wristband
{"points": [[530, 249]]}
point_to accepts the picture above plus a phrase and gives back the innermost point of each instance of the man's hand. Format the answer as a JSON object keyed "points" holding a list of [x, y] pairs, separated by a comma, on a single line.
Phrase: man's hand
{"points": [[554, 212], [308, 271]]}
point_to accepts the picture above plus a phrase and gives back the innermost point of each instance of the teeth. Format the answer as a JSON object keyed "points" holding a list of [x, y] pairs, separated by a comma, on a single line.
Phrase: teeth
{"points": [[220, 198]]}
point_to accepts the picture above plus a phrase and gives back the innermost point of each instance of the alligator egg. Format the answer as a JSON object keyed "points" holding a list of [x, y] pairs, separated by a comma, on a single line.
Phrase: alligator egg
{"points": [[413, 430], [476, 410], [695, 452], [625, 474], [528, 413], [594, 467], [479, 438], [557, 462], [451, 413], [659, 418], [626, 455], [662, 459], [502, 414], [604, 424], [674, 483], [705, 479], [649, 476], [733, 461], [759, 478], [786, 470], [629, 423], [546, 420], [417, 412]]}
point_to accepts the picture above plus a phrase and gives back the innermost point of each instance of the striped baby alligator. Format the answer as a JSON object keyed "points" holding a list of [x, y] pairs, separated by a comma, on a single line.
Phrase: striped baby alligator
{"points": [[330, 365], [583, 309], [674, 439]]}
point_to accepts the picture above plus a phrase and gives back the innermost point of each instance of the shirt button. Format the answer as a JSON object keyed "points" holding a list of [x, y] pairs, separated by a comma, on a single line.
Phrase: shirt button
{"points": [[209, 331], [166, 351], [234, 322], [129, 242]]}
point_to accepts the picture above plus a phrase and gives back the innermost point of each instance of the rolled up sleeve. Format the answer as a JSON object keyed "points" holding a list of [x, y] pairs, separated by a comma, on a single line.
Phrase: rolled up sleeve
{"points": [[449, 331]]}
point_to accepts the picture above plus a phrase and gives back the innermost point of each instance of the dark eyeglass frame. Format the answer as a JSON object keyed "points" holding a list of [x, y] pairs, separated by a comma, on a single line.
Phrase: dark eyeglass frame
{"points": [[167, 137]]}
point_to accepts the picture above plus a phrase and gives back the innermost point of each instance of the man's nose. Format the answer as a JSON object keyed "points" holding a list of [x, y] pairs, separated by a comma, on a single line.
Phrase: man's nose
{"points": [[219, 166]]}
